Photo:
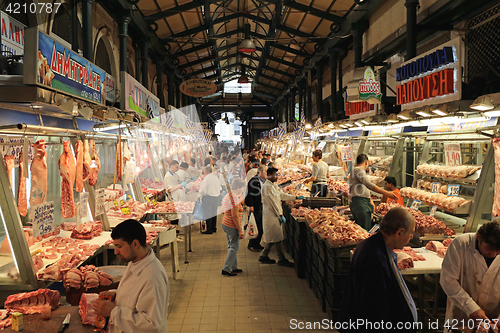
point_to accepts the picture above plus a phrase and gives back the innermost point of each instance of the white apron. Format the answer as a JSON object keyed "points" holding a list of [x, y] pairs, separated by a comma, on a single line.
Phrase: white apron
{"points": [[272, 196]]}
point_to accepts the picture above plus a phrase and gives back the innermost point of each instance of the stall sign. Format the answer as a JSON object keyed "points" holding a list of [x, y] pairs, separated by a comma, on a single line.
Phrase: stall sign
{"points": [[198, 87], [137, 98], [468, 125], [99, 202], [12, 39], [52, 65], [453, 190], [110, 85], [415, 205], [452, 154], [84, 199], [125, 210], [43, 219], [15, 148], [386, 131], [433, 211], [346, 152], [364, 108], [369, 88], [431, 78], [435, 187]]}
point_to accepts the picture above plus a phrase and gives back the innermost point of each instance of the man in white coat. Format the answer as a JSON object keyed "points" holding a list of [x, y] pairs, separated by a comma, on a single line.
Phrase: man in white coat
{"points": [[470, 276], [140, 303], [272, 217]]}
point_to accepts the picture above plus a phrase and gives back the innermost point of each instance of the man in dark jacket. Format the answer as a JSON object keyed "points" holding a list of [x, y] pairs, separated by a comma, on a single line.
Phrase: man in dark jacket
{"points": [[375, 291], [254, 201]]}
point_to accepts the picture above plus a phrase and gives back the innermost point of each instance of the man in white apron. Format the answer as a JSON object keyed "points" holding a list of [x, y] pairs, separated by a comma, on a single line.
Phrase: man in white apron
{"points": [[470, 276]]}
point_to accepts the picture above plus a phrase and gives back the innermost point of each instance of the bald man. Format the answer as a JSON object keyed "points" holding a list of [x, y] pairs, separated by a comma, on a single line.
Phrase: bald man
{"points": [[375, 289]]}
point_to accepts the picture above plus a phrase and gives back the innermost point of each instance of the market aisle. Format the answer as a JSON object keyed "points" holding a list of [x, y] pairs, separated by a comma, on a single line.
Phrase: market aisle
{"points": [[264, 298]]}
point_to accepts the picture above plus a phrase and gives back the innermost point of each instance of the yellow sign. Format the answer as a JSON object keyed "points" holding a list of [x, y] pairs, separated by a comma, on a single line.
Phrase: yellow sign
{"points": [[125, 210], [147, 199], [116, 203], [153, 201], [198, 87], [122, 202]]}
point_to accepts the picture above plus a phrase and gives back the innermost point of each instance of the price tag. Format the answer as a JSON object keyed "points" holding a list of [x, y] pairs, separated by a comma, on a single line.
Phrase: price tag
{"points": [[374, 229], [433, 210], [99, 202], [416, 204], [147, 199], [453, 190], [84, 199], [125, 210], [129, 196], [452, 154], [346, 153], [153, 201], [116, 203], [435, 187], [157, 179], [419, 184], [43, 219], [122, 202]]}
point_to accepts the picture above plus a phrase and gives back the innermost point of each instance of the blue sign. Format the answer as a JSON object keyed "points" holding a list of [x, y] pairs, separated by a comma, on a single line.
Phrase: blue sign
{"points": [[463, 125], [62, 69]]}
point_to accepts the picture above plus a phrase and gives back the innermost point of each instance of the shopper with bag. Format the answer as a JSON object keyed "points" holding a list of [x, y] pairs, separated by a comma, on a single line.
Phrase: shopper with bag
{"points": [[272, 218], [232, 209], [254, 202]]}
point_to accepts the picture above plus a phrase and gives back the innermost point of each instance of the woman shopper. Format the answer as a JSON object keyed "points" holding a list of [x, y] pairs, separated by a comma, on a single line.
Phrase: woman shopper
{"points": [[232, 209]]}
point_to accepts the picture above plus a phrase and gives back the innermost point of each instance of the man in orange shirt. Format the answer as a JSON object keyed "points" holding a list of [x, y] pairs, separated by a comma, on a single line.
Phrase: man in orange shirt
{"points": [[390, 185]]}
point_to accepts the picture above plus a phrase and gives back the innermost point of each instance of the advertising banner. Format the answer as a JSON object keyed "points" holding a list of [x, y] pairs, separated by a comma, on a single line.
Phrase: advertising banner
{"points": [[12, 35], [137, 98]]}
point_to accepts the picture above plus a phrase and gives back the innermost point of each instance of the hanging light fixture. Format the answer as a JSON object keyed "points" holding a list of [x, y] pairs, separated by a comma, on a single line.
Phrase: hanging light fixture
{"points": [[247, 45], [366, 121], [393, 118], [243, 77], [405, 115], [482, 103], [425, 112], [441, 110]]}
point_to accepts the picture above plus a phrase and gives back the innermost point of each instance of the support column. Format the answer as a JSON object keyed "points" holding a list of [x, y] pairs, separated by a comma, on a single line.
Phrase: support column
{"points": [[357, 30], [159, 82], [287, 111], [144, 63], [122, 36], [411, 28], [309, 96], [177, 94], [319, 90], [334, 55], [170, 89], [292, 105], [340, 108], [74, 26], [301, 97], [87, 30]]}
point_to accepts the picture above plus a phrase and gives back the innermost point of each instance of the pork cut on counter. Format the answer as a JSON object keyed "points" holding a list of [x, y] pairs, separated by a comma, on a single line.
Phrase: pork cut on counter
{"points": [[38, 193], [434, 246], [79, 166], [67, 170], [86, 309], [9, 164], [32, 302], [22, 200], [404, 261], [496, 198]]}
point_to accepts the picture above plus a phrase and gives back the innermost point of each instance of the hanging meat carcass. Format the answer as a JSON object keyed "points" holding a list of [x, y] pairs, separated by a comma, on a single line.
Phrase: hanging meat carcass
{"points": [[94, 170], [119, 161], [79, 166], [496, 198], [67, 169], [9, 164], [38, 193], [87, 161], [22, 200]]}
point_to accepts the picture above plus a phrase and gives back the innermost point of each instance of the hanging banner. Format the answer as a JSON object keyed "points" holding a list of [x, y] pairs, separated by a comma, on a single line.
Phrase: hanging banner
{"points": [[135, 97], [110, 85], [12, 36], [431, 78], [198, 88], [369, 88], [50, 64]]}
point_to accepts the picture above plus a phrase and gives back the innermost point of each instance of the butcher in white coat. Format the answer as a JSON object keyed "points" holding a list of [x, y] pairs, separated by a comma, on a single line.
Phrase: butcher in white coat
{"points": [[470, 276], [272, 218]]}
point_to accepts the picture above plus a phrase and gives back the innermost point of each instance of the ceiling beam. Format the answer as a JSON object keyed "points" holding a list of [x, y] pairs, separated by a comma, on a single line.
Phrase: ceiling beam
{"points": [[229, 46], [230, 33], [291, 50], [200, 47], [292, 31], [184, 33], [264, 95], [262, 84], [278, 71], [172, 11], [262, 75], [245, 15], [284, 62], [196, 62], [262, 100], [201, 71], [315, 12]]}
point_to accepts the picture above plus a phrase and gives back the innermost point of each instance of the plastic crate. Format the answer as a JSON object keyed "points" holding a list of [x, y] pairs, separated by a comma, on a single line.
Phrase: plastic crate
{"points": [[332, 312], [336, 282], [322, 300], [339, 265], [344, 251]]}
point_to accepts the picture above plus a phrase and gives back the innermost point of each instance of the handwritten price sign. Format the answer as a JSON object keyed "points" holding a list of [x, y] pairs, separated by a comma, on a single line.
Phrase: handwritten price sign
{"points": [[453, 190], [452, 154], [43, 221], [84, 199], [433, 211], [416, 204], [435, 187], [419, 184], [99, 202], [346, 153]]}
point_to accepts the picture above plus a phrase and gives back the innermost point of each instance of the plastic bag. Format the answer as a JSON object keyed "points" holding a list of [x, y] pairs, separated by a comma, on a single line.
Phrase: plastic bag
{"points": [[252, 231], [198, 212]]}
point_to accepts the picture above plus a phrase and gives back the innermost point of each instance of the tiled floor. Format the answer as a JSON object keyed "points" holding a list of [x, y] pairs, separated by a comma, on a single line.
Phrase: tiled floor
{"points": [[262, 299]]}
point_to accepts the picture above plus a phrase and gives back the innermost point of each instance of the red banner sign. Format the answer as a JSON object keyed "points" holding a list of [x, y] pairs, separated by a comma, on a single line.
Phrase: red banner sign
{"points": [[433, 85], [352, 108]]}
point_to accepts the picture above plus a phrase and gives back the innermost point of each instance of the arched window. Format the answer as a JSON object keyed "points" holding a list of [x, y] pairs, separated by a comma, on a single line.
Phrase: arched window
{"points": [[102, 57], [62, 24]]}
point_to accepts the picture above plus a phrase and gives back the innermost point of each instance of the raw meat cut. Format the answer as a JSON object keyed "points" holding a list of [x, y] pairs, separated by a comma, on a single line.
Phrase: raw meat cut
{"points": [[414, 255], [434, 246], [37, 262], [94, 171], [460, 171], [119, 160], [87, 160], [68, 226], [496, 198], [404, 261], [87, 230], [447, 242], [67, 170], [9, 164], [442, 252], [79, 166], [22, 200], [59, 269], [38, 176], [105, 279], [91, 280], [32, 302], [86, 309], [73, 279]]}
